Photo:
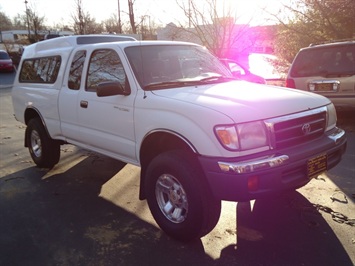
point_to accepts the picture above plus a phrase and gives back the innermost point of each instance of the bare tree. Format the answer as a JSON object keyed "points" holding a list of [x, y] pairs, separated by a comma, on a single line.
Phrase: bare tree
{"points": [[5, 22], [214, 27], [61, 26], [35, 24], [150, 28], [111, 24], [19, 22], [79, 18], [93, 27], [83, 22]]}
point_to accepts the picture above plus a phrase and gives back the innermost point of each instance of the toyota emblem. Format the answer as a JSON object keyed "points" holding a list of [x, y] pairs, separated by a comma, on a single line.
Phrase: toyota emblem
{"points": [[306, 129]]}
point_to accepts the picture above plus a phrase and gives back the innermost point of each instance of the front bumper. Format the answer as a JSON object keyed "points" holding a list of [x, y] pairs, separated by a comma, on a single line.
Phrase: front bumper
{"points": [[253, 177]]}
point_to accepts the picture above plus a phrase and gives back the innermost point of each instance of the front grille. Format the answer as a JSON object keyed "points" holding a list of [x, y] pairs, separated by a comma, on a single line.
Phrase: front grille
{"points": [[298, 130]]}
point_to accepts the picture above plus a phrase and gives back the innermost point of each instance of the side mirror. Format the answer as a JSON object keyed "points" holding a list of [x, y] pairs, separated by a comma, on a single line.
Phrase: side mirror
{"points": [[237, 74], [111, 88]]}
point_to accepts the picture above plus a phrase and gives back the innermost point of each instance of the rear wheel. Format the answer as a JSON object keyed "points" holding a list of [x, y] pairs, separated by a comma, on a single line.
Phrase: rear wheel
{"points": [[45, 152], [179, 198]]}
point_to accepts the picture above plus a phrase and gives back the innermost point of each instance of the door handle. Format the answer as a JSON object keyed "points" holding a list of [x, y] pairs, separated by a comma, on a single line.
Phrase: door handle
{"points": [[84, 104]]}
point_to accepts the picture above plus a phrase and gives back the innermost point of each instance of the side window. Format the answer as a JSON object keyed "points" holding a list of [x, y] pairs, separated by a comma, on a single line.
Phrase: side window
{"points": [[76, 70], [105, 66], [344, 60], [40, 70]]}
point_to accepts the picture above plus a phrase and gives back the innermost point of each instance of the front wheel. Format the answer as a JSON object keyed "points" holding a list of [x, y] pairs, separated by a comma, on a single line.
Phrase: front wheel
{"points": [[179, 198], [45, 152]]}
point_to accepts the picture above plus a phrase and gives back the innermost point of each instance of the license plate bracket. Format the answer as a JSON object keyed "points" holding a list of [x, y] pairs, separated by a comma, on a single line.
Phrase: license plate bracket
{"points": [[317, 165]]}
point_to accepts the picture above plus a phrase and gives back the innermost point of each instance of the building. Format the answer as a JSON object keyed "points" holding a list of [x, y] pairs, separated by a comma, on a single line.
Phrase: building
{"points": [[21, 36]]}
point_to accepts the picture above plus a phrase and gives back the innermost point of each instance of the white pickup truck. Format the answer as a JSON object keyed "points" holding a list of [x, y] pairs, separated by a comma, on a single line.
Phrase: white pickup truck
{"points": [[199, 135]]}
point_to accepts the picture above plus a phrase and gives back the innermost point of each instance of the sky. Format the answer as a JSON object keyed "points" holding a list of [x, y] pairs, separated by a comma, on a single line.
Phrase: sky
{"points": [[161, 12]]}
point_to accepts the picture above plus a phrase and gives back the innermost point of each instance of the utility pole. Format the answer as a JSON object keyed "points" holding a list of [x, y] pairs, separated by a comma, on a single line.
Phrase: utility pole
{"points": [[189, 13], [119, 18], [28, 22], [131, 16]]}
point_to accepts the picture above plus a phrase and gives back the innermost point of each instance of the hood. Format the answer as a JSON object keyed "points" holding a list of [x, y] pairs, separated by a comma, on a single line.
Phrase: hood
{"points": [[244, 101]]}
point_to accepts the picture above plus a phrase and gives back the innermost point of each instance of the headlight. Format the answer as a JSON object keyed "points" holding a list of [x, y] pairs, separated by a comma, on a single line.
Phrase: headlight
{"points": [[252, 135], [243, 136], [331, 117]]}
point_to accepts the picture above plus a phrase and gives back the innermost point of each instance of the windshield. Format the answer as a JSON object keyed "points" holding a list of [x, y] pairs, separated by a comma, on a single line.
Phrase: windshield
{"points": [[325, 62], [164, 66]]}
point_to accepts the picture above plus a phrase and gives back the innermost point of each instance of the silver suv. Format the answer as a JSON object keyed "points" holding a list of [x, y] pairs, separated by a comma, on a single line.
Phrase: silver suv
{"points": [[327, 69]]}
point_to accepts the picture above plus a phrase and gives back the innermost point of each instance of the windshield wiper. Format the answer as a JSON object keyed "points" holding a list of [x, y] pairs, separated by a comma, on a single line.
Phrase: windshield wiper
{"points": [[217, 79], [185, 83], [169, 84]]}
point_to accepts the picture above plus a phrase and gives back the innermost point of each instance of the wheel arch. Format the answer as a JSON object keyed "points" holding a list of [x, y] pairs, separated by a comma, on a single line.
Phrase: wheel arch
{"points": [[31, 113], [157, 142]]}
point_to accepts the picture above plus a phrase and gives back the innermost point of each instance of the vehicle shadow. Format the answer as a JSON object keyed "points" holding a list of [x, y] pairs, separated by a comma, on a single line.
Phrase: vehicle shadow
{"points": [[59, 218], [343, 174], [283, 230]]}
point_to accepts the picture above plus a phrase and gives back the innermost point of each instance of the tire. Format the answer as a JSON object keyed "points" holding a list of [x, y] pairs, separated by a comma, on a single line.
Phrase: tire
{"points": [[179, 198], [45, 152]]}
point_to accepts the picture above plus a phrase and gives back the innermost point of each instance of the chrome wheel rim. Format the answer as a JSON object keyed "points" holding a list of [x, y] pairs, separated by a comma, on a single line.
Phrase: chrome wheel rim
{"points": [[36, 144], [171, 198]]}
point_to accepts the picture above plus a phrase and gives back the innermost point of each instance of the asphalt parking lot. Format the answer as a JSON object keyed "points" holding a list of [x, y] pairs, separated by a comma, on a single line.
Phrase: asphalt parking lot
{"points": [[85, 211]]}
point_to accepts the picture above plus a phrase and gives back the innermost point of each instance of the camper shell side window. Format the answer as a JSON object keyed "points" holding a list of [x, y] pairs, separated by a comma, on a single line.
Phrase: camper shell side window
{"points": [[40, 70]]}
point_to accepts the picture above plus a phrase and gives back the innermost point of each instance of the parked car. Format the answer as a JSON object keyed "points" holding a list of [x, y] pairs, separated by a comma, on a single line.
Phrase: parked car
{"points": [[326, 69], [241, 72], [6, 64], [199, 135]]}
